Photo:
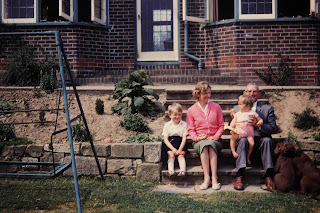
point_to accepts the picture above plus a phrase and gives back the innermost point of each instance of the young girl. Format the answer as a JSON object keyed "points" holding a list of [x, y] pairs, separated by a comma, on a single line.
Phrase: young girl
{"points": [[240, 127], [175, 136]]}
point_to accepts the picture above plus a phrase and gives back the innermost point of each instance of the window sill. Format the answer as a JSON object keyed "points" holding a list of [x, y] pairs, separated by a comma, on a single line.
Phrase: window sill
{"points": [[58, 23], [260, 20]]}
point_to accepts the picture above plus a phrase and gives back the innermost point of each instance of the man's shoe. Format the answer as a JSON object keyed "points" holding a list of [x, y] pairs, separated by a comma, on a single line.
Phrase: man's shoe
{"points": [[270, 184], [238, 185]]}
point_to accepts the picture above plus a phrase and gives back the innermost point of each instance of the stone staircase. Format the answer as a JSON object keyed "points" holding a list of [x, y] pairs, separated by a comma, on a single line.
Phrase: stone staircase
{"points": [[226, 163]]}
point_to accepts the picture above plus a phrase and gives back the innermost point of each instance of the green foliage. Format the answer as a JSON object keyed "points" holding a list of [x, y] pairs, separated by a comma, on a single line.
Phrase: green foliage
{"points": [[278, 78], [134, 98], [291, 138], [48, 81], [143, 138], [306, 120], [79, 132], [316, 137], [6, 132], [15, 141], [99, 106], [24, 70], [6, 106], [135, 122]]}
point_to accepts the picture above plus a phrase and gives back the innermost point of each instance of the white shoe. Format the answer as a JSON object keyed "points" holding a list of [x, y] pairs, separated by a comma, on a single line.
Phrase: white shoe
{"points": [[216, 186], [204, 186]]}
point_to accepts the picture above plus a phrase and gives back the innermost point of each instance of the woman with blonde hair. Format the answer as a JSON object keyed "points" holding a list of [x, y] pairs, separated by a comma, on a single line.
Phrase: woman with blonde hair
{"points": [[205, 126]]}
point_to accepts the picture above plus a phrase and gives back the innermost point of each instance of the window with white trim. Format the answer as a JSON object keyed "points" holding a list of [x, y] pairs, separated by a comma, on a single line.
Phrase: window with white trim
{"points": [[220, 10], [157, 30], [26, 11], [257, 9]]}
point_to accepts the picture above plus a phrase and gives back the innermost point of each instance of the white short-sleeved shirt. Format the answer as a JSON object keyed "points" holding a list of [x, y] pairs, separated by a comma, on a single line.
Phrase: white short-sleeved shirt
{"points": [[170, 129]]}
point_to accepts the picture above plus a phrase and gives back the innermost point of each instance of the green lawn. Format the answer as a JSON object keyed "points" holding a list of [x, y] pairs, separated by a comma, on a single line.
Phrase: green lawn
{"points": [[127, 195]]}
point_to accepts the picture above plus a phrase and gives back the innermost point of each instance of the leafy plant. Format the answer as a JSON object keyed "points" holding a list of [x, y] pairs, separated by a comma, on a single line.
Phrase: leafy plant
{"points": [[316, 137], [6, 106], [278, 78], [99, 106], [48, 81], [135, 122], [79, 132], [291, 138], [306, 119], [142, 138], [6, 132], [134, 98], [24, 69], [15, 141]]}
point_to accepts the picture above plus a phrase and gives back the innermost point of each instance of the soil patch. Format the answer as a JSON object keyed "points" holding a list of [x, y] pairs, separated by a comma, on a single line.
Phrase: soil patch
{"points": [[107, 126]]}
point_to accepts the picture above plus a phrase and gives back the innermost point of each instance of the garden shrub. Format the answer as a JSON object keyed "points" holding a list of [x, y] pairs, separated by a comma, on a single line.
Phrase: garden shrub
{"points": [[6, 132], [143, 138], [135, 122], [24, 70], [79, 132], [291, 138], [48, 81], [306, 120], [134, 98], [6, 106], [278, 78], [99, 106]]}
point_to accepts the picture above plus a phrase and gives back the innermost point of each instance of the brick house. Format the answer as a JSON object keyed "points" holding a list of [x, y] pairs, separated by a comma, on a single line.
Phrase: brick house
{"points": [[176, 41]]}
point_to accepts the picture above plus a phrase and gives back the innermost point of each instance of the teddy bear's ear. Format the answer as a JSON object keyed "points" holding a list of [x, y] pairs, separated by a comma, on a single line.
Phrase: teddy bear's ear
{"points": [[297, 149]]}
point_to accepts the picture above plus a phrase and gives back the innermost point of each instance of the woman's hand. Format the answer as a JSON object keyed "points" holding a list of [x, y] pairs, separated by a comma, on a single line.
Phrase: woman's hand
{"points": [[201, 137]]}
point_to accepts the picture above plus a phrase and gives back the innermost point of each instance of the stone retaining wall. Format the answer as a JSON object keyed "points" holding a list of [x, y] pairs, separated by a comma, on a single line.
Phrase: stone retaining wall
{"points": [[142, 161]]}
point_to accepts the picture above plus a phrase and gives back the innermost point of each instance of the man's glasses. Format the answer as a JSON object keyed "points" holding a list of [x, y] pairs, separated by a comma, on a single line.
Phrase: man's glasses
{"points": [[252, 91]]}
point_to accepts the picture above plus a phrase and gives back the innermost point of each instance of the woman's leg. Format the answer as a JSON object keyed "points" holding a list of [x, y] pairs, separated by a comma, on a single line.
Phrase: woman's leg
{"points": [[213, 164], [204, 157]]}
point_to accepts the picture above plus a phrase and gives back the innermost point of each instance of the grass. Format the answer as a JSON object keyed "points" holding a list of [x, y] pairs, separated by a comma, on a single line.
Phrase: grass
{"points": [[127, 195], [14, 142]]}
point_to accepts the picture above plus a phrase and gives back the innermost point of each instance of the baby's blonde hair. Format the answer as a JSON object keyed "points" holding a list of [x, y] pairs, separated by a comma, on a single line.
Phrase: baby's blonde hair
{"points": [[175, 107], [200, 88], [246, 99]]}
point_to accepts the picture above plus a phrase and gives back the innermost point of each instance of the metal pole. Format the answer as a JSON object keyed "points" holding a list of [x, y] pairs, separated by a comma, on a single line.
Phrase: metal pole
{"points": [[74, 168]]}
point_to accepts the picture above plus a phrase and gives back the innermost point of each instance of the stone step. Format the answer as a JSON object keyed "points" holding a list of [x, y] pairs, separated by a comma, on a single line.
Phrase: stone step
{"points": [[216, 94], [225, 104], [226, 115], [226, 175]]}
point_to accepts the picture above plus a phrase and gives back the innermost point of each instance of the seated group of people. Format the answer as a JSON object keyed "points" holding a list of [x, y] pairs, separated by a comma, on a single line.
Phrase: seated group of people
{"points": [[251, 127]]}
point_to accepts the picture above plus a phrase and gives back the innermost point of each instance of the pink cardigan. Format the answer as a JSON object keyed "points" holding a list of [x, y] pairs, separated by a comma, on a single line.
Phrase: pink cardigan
{"points": [[211, 124]]}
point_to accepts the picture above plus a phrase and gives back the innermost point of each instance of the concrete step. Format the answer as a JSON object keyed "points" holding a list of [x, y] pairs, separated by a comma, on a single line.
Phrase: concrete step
{"points": [[226, 175], [226, 115], [225, 104]]}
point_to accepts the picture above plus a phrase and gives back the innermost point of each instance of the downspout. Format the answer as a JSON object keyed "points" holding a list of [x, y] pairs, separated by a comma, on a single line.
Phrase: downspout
{"points": [[186, 51]]}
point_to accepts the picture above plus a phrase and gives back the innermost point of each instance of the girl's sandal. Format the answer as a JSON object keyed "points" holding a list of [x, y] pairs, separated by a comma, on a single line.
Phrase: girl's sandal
{"points": [[171, 174], [182, 174]]}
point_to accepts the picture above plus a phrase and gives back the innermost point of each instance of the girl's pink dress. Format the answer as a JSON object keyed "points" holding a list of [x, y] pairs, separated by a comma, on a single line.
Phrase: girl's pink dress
{"points": [[243, 128]]}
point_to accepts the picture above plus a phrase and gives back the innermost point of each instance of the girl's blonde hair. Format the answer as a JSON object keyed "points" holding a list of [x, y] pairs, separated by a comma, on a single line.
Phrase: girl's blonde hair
{"points": [[200, 88], [246, 99], [175, 107]]}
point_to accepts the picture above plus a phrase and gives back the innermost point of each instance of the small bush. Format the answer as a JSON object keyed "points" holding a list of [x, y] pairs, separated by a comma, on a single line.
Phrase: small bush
{"points": [[6, 132], [316, 137], [135, 122], [306, 120], [291, 138], [277, 78], [99, 106], [15, 141], [48, 81], [142, 138], [5, 106], [79, 132]]}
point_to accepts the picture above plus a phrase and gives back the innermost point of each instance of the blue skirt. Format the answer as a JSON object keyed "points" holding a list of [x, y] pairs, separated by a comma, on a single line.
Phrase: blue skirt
{"points": [[176, 142]]}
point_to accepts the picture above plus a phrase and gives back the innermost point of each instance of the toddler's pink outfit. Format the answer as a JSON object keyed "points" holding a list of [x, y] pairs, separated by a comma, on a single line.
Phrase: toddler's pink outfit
{"points": [[243, 128]]}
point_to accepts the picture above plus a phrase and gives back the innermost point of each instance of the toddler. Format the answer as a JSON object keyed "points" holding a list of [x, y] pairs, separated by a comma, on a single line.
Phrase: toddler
{"points": [[175, 136], [240, 127]]}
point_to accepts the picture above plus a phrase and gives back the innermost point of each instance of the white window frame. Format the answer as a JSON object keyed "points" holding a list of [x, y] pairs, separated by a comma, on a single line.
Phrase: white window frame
{"points": [[63, 14], [159, 55], [20, 20], [258, 16], [185, 17], [103, 12]]}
